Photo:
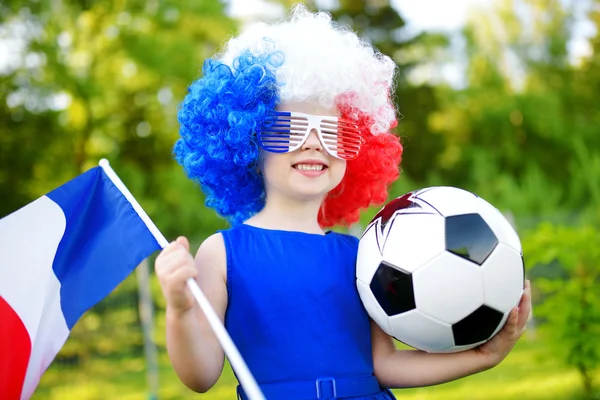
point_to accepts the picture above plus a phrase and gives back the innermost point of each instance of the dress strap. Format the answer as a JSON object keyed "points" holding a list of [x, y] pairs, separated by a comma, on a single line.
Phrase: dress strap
{"points": [[319, 389]]}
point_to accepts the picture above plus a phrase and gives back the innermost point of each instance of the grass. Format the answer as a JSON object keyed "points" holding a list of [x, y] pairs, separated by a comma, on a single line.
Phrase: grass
{"points": [[531, 371]]}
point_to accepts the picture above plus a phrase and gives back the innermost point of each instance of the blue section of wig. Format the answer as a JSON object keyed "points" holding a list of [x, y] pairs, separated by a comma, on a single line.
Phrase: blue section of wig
{"points": [[218, 119]]}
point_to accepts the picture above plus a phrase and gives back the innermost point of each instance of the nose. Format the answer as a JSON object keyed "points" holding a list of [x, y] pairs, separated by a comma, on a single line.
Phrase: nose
{"points": [[313, 142]]}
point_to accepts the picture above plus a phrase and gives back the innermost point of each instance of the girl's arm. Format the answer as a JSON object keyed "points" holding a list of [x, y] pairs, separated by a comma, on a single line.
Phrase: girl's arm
{"points": [[413, 368], [193, 349]]}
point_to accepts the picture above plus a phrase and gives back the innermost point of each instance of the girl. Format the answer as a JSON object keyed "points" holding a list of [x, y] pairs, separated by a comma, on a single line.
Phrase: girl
{"points": [[288, 133]]}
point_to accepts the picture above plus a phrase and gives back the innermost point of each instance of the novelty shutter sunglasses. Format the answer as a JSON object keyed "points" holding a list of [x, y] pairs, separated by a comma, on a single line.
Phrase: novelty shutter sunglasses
{"points": [[285, 131]]}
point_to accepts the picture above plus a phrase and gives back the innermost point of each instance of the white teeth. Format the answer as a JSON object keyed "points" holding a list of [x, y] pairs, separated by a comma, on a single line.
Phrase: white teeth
{"points": [[310, 167]]}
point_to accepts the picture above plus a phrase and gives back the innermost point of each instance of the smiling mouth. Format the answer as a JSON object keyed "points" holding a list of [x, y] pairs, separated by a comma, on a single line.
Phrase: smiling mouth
{"points": [[309, 167]]}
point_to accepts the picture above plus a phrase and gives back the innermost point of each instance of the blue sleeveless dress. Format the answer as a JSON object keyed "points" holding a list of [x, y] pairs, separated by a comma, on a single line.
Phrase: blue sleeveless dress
{"points": [[295, 314]]}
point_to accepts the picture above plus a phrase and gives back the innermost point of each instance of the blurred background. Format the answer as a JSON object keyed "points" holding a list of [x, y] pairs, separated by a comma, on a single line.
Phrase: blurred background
{"points": [[498, 97]]}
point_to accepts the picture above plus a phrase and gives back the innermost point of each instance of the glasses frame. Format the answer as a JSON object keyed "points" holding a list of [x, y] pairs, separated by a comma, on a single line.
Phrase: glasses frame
{"points": [[280, 133]]}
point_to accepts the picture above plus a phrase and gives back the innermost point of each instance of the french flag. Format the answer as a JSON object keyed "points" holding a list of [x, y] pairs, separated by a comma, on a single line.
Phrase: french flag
{"points": [[60, 255]]}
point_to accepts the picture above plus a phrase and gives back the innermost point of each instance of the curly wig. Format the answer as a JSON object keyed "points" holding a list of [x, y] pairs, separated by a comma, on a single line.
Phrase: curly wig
{"points": [[307, 57]]}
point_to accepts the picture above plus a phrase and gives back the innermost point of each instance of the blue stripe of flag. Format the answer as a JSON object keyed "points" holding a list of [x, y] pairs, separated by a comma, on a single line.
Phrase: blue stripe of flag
{"points": [[104, 241]]}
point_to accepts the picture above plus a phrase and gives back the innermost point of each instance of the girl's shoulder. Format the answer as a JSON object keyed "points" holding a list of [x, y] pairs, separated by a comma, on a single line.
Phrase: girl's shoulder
{"points": [[212, 252]]}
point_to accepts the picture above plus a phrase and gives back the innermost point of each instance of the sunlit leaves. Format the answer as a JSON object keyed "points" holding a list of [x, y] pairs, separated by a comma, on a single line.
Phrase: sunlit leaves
{"points": [[510, 133], [114, 72], [571, 306]]}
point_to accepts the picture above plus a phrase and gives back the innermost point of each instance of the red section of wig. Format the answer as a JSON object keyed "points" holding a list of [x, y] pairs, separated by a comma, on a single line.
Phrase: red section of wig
{"points": [[368, 177]]}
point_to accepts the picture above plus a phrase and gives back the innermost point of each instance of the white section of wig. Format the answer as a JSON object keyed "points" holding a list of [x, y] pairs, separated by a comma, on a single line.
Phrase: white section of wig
{"points": [[323, 60]]}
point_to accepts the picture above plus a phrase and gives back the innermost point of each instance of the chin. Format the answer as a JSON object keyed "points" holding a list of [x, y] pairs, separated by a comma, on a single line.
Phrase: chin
{"points": [[312, 193]]}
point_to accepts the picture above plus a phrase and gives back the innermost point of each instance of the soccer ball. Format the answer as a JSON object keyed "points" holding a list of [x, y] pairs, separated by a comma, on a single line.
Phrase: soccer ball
{"points": [[440, 269]]}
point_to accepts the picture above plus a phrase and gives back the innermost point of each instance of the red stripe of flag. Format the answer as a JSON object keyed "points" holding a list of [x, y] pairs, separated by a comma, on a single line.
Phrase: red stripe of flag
{"points": [[15, 349]]}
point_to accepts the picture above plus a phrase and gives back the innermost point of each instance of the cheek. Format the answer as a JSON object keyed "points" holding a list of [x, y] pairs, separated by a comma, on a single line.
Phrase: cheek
{"points": [[273, 167], [339, 170]]}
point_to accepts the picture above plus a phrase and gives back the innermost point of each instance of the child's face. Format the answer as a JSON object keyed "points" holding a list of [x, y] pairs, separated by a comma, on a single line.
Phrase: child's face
{"points": [[307, 173]]}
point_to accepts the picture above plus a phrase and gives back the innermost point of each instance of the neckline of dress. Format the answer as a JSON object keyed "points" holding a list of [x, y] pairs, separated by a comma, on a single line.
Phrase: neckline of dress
{"points": [[325, 234]]}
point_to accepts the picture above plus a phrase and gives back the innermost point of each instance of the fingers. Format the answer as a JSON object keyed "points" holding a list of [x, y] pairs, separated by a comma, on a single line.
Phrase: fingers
{"points": [[182, 240], [178, 245], [525, 305], [517, 321], [177, 278], [173, 248], [174, 266], [511, 324], [175, 256], [175, 261]]}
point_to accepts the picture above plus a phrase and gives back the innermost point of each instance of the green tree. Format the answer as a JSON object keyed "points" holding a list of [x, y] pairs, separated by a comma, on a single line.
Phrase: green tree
{"points": [[520, 126], [571, 306], [102, 79]]}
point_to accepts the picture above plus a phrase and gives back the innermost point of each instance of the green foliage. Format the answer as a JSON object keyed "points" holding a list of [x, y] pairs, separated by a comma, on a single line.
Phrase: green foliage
{"points": [[571, 304], [102, 79], [520, 133]]}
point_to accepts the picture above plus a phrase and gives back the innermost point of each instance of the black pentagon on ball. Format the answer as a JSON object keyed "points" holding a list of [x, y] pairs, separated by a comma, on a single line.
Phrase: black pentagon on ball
{"points": [[393, 289], [477, 327], [470, 237]]}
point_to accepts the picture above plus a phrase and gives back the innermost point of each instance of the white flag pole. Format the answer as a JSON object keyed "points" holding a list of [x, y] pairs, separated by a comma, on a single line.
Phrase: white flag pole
{"points": [[235, 359]]}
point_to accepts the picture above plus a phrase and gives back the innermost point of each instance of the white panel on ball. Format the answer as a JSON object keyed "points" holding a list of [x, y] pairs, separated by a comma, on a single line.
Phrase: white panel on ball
{"points": [[502, 278], [372, 306], [450, 200], [503, 230], [421, 331], [369, 256], [414, 240], [448, 288]]}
